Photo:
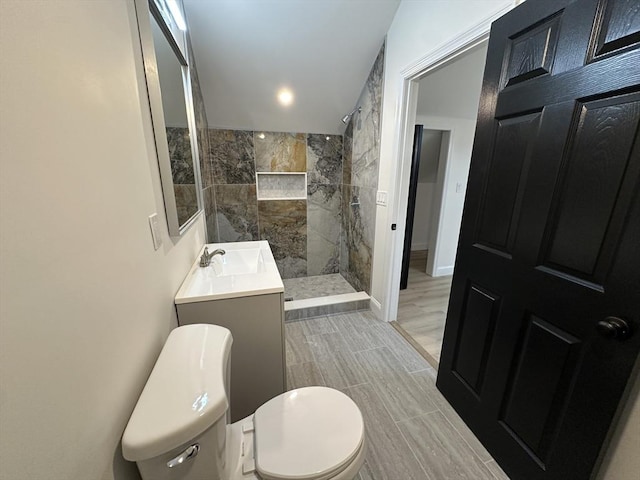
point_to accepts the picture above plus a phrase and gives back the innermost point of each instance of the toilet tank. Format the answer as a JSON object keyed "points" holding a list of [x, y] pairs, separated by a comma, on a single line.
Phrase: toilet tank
{"points": [[184, 403]]}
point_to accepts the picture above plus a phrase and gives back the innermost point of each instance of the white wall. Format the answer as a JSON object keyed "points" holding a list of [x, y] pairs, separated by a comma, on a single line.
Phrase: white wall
{"points": [[86, 301], [427, 176], [457, 172], [422, 216]]}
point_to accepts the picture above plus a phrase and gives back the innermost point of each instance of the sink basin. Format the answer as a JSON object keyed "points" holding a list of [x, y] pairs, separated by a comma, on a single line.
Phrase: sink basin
{"points": [[247, 268], [238, 262]]}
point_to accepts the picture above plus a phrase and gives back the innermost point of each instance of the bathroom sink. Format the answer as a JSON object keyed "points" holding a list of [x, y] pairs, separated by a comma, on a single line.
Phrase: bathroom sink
{"points": [[238, 262], [247, 268]]}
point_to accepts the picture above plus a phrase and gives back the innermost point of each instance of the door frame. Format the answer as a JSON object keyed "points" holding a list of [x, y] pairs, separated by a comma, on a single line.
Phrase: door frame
{"points": [[407, 108]]}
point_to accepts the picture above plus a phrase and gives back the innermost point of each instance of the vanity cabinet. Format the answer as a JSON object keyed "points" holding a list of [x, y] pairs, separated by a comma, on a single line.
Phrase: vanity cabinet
{"points": [[258, 368], [243, 292]]}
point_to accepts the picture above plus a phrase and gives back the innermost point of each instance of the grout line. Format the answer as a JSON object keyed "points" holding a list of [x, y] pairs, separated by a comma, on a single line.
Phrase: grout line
{"points": [[437, 410]]}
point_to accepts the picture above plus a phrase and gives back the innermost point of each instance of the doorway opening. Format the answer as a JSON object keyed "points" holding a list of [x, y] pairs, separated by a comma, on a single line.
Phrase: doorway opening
{"points": [[447, 101]]}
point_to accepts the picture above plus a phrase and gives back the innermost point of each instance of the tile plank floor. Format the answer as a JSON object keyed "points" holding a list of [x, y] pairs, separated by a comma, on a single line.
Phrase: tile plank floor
{"points": [[422, 308], [412, 431]]}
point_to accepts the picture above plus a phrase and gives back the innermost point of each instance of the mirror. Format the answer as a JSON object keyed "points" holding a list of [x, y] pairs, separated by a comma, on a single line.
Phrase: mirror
{"points": [[168, 85]]}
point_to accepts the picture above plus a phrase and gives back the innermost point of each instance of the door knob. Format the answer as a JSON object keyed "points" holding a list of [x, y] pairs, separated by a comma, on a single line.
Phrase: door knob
{"points": [[614, 327]]}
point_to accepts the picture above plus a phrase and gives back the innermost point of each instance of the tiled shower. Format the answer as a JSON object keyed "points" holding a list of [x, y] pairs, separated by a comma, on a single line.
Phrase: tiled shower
{"points": [[258, 179]]}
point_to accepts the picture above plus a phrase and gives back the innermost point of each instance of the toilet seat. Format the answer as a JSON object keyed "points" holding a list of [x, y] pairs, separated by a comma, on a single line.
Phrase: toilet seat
{"points": [[311, 433]]}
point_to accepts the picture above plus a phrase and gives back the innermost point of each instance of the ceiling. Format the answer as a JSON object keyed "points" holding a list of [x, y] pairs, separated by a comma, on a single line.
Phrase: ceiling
{"points": [[323, 50], [454, 90]]}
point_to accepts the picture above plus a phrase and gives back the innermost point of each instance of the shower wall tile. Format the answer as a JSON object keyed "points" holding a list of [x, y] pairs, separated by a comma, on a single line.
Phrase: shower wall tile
{"points": [[280, 152], [361, 159], [324, 228], [237, 213], [209, 199], [283, 223], [179, 143], [186, 201], [324, 159], [232, 156], [347, 154], [366, 129], [358, 235]]}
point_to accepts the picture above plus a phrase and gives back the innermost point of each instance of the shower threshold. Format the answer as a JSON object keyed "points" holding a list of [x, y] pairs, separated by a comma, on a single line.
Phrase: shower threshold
{"points": [[321, 295]]}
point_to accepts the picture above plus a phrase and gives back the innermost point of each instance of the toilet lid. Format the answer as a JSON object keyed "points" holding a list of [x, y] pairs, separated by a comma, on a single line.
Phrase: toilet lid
{"points": [[307, 433]]}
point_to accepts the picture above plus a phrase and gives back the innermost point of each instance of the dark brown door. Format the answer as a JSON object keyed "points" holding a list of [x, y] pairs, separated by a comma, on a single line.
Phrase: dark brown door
{"points": [[542, 327]]}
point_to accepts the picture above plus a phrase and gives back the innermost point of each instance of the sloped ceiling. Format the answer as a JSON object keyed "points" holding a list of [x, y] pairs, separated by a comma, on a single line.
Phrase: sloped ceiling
{"points": [[323, 50]]}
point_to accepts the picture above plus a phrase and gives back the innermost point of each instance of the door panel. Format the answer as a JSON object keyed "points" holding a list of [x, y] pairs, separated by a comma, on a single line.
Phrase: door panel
{"points": [[478, 323], [549, 239], [598, 160], [539, 385], [531, 53], [617, 26], [505, 181]]}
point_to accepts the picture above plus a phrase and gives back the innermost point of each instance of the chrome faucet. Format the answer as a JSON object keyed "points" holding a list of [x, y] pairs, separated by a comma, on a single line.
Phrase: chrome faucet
{"points": [[205, 259]]}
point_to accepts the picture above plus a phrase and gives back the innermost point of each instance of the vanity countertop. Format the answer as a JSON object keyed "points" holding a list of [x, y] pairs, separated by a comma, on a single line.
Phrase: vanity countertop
{"points": [[246, 269]]}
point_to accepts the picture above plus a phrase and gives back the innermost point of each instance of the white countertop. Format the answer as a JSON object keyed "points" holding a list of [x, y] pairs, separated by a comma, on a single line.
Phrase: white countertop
{"points": [[247, 269]]}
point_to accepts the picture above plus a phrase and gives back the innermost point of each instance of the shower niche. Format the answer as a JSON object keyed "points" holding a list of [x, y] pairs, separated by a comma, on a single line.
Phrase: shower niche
{"points": [[281, 185]]}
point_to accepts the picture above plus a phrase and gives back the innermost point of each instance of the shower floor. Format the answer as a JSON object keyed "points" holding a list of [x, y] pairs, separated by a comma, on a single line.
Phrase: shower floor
{"points": [[316, 286], [321, 295]]}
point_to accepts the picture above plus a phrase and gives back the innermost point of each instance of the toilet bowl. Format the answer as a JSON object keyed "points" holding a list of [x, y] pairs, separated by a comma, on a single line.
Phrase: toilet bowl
{"points": [[180, 430]]}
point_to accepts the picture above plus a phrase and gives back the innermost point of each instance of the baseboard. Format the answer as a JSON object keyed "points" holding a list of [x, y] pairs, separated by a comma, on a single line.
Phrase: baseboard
{"points": [[376, 308], [442, 271], [419, 246]]}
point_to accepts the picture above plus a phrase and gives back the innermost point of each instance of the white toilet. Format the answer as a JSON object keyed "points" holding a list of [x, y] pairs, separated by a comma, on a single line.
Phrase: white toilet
{"points": [[180, 427]]}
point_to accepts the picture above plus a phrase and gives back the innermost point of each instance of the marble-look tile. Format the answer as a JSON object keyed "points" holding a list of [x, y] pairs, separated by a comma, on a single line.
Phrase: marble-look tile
{"points": [[280, 152], [179, 143], [347, 154], [358, 236], [388, 455], [283, 223], [232, 156], [366, 128], [324, 159], [441, 450], [304, 375], [210, 215], [427, 381], [323, 229], [399, 391], [237, 213], [496, 470], [186, 201]]}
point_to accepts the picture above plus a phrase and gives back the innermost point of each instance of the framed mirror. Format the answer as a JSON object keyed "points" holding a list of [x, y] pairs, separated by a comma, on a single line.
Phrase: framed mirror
{"points": [[169, 88]]}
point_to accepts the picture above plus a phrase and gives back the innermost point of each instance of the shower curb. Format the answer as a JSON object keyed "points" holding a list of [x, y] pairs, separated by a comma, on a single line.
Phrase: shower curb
{"points": [[316, 307]]}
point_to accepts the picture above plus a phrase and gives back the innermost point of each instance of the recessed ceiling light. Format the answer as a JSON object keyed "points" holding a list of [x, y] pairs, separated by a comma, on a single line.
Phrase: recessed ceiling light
{"points": [[285, 97], [327, 138], [261, 136]]}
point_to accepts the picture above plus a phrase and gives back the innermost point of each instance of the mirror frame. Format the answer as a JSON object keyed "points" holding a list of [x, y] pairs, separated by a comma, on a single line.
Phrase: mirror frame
{"points": [[144, 10]]}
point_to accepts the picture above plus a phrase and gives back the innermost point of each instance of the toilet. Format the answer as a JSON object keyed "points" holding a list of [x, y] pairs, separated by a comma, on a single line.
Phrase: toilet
{"points": [[180, 429]]}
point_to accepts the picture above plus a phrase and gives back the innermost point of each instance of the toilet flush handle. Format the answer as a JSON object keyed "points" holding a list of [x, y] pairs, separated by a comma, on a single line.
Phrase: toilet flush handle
{"points": [[189, 452]]}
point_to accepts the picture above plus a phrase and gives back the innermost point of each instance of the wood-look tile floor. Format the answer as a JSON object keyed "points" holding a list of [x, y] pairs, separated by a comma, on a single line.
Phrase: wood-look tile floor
{"points": [[412, 432], [422, 308]]}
